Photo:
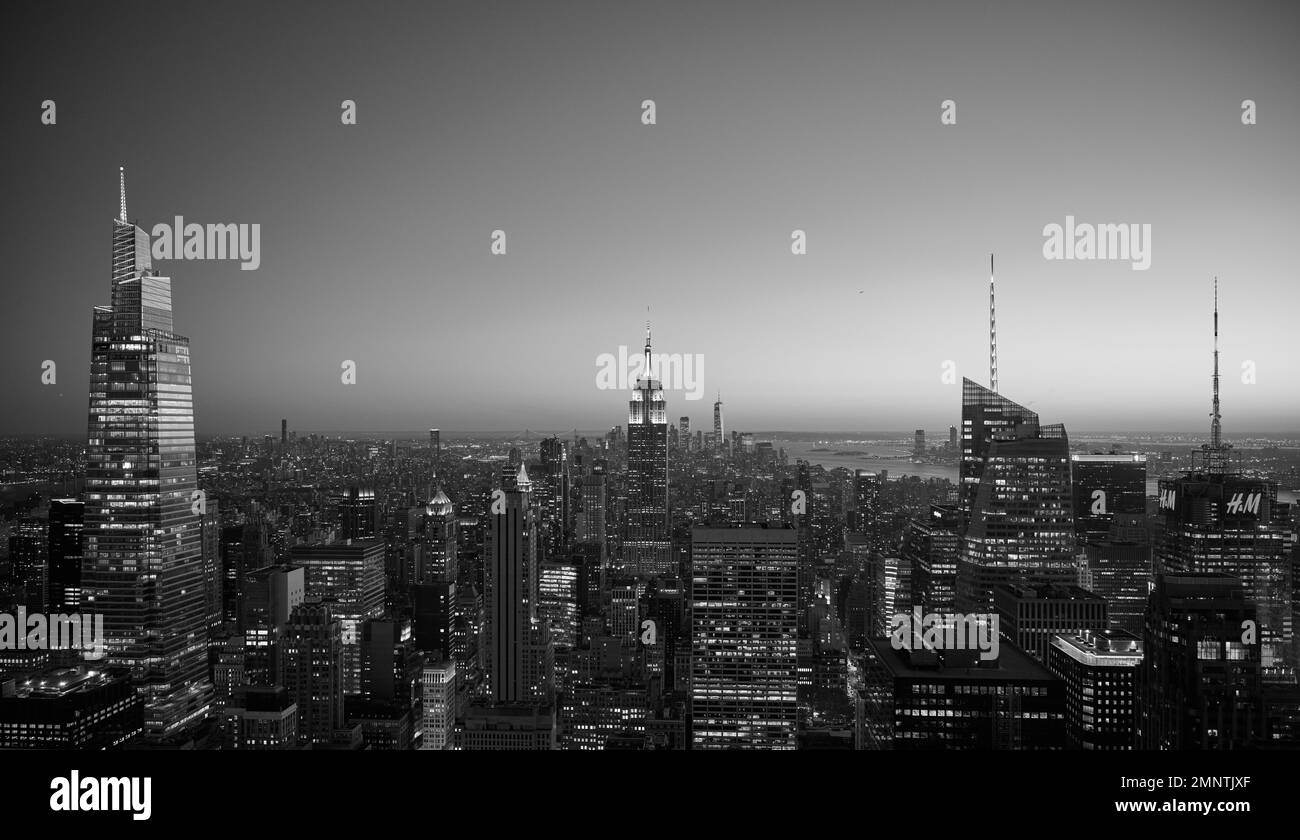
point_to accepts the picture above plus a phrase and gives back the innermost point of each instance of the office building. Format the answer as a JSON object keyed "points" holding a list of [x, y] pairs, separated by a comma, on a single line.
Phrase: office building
{"points": [[1105, 486], [646, 546], [350, 574], [1100, 670], [923, 700], [80, 708], [744, 634], [1200, 683], [1031, 614], [143, 565], [66, 546]]}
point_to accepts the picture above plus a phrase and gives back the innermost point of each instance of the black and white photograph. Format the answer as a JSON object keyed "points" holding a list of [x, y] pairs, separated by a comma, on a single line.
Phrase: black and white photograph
{"points": [[726, 376]]}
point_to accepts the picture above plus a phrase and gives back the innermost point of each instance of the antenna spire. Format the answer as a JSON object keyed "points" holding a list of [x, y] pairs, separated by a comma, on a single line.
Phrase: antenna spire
{"points": [[1216, 429], [993, 333], [646, 368], [121, 187], [1216, 451]]}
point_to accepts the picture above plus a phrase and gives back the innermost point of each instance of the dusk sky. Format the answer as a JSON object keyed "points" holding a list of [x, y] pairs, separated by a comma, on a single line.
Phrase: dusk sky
{"points": [[771, 117]]}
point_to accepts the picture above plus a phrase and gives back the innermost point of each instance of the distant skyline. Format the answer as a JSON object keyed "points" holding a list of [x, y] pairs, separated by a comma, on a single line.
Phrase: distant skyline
{"points": [[770, 118]]}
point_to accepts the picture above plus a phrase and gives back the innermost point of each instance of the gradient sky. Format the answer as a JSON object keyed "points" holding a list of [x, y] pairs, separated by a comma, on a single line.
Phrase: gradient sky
{"points": [[771, 116]]}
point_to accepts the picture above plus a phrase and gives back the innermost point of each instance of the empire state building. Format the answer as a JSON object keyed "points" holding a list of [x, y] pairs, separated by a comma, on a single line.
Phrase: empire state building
{"points": [[647, 551], [142, 568]]}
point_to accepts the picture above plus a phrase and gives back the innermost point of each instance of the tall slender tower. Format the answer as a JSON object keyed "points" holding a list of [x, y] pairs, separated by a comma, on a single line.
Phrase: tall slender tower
{"points": [[647, 549], [142, 568], [1216, 451], [718, 440], [1220, 520], [993, 333]]}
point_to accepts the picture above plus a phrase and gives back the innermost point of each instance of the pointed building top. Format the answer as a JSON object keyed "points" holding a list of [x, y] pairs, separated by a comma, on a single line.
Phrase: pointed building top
{"points": [[440, 505], [121, 187], [993, 334], [522, 480], [1216, 451]]}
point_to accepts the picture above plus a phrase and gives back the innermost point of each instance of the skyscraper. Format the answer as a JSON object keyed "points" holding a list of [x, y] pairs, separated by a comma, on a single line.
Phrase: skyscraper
{"points": [[1016, 499], [143, 568], [1100, 670], [67, 541], [313, 670], [719, 441], [646, 549], [349, 575], [1200, 682], [983, 413], [517, 641], [1216, 519], [1106, 486], [359, 514], [744, 637]]}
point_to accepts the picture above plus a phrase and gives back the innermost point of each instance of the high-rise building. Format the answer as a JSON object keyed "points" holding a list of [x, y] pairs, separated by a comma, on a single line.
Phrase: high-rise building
{"points": [[719, 440], [983, 413], [518, 644], [951, 700], [1106, 486], [269, 596], [267, 719], [143, 567], [551, 495], [439, 684], [67, 545], [435, 442], [1016, 497], [864, 512], [590, 526], [1217, 519], [744, 637], [1200, 683], [1031, 615], [213, 600], [432, 533], [1100, 670], [81, 708], [1119, 570], [359, 514], [952, 438], [313, 673], [508, 728], [918, 446], [684, 432], [350, 575], [29, 550], [557, 599], [931, 547], [647, 550]]}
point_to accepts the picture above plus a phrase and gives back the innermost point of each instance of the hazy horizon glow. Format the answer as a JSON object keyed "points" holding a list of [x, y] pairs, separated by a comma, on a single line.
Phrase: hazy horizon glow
{"points": [[771, 117]]}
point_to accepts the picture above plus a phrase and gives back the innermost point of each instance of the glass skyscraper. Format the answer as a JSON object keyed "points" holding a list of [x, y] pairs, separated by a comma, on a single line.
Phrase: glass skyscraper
{"points": [[143, 568], [1015, 474]]}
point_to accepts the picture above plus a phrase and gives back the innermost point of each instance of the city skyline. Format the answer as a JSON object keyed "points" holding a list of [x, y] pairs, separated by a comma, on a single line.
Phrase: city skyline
{"points": [[376, 243]]}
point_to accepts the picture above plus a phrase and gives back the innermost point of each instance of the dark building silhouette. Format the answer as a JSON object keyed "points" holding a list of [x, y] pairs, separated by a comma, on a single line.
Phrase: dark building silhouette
{"points": [[1200, 684]]}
